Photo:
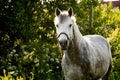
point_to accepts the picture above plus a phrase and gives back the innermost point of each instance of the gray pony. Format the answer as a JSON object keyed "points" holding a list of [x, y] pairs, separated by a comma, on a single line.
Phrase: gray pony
{"points": [[85, 57]]}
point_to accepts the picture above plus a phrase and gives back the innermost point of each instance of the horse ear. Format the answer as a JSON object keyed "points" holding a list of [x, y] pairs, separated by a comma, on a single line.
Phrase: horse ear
{"points": [[57, 11], [70, 11]]}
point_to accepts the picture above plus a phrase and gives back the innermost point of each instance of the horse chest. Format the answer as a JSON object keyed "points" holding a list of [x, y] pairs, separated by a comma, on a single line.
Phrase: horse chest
{"points": [[71, 71]]}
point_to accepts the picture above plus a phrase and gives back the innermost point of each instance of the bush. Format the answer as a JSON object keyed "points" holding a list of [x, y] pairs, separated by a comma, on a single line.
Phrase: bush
{"points": [[115, 47]]}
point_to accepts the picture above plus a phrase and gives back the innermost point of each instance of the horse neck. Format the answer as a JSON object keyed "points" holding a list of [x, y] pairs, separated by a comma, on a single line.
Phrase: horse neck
{"points": [[78, 41], [77, 44]]}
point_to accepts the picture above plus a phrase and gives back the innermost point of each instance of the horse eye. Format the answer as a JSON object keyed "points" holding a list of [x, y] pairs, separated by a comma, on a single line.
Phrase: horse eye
{"points": [[70, 25], [56, 25]]}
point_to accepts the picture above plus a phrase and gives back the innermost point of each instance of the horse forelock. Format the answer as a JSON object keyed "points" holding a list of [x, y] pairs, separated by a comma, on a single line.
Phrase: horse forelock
{"points": [[63, 17]]}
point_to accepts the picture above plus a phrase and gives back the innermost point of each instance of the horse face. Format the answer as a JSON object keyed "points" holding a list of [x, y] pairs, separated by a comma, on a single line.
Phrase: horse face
{"points": [[64, 27]]}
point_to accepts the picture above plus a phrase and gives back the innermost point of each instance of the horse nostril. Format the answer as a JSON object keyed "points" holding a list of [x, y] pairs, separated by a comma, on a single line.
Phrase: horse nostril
{"points": [[63, 42]]}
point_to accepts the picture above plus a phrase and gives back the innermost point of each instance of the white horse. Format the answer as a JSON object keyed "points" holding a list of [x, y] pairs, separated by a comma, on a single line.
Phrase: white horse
{"points": [[85, 57]]}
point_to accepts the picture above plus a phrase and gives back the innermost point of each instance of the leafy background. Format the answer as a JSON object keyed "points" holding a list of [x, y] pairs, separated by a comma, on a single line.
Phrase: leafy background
{"points": [[28, 45]]}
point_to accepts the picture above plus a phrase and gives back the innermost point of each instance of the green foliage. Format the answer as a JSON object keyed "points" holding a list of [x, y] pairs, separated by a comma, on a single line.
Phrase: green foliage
{"points": [[28, 46], [106, 19], [115, 47]]}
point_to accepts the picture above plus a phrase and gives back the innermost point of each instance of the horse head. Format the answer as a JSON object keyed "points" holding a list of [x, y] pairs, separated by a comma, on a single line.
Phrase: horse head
{"points": [[64, 24]]}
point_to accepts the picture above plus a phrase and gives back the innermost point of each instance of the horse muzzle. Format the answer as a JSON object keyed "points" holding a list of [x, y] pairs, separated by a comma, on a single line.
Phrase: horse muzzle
{"points": [[63, 40], [63, 44]]}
